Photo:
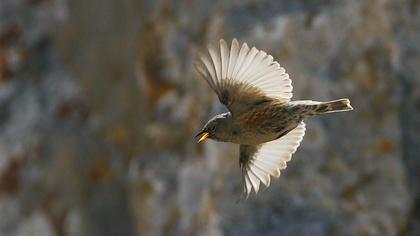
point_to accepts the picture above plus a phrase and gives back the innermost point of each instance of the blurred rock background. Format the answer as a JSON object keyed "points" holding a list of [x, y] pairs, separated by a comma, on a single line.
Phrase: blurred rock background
{"points": [[99, 103]]}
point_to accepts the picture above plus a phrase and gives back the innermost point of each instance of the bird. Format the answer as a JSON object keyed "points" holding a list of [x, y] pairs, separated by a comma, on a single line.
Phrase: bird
{"points": [[262, 119]]}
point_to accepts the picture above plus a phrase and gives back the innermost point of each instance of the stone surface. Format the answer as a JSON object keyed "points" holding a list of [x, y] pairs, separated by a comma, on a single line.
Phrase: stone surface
{"points": [[99, 104]]}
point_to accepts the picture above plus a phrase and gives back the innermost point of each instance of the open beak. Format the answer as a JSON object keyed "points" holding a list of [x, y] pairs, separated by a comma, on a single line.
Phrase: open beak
{"points": [[204, 135]]}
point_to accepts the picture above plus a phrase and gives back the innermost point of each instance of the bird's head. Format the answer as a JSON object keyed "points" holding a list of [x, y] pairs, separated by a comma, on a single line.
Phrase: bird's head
{"points": [[217, 128]]}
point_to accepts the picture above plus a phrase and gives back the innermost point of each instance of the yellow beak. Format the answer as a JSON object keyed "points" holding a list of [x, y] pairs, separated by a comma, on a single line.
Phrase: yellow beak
{"points": [[203, 137]]}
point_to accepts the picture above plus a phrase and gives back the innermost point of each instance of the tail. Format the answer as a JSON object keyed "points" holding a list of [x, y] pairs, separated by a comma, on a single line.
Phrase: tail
{"points": [[333, 106], [310, 108]]}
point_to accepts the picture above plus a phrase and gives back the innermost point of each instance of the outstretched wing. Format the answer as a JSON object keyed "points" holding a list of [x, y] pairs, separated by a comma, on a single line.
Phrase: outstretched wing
{"points": [[242, 76], [260, 162]]}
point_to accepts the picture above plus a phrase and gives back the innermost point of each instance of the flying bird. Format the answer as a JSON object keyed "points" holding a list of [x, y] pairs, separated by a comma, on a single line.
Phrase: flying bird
{"points": [[262, 119]]}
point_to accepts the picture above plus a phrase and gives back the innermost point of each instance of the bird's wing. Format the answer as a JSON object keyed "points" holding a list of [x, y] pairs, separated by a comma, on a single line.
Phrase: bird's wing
{"points": [[260, 162], [242, 76]]}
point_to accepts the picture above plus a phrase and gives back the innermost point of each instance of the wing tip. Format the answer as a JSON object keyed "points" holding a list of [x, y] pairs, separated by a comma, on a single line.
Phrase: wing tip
{"points": [[210, 47], [277, 173]]}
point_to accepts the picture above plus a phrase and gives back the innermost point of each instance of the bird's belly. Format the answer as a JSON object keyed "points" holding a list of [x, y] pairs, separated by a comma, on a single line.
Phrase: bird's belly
{"points": [[255, 138], [265, 134]]}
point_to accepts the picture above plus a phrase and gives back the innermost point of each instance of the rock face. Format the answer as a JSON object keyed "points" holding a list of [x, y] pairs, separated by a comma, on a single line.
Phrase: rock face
{"points": [[99, 102]]}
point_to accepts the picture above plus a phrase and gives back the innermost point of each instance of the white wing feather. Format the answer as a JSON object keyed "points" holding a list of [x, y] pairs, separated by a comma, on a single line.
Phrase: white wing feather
{"points": [[243, 65], [270, 158]]}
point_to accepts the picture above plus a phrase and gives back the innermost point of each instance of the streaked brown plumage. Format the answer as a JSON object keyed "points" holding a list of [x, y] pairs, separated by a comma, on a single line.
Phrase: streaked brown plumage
{"points": [[262, 119]]}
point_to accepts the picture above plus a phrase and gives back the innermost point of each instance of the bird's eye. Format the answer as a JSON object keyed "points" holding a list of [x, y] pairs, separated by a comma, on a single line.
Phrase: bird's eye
{"points": [[213, 128]]}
